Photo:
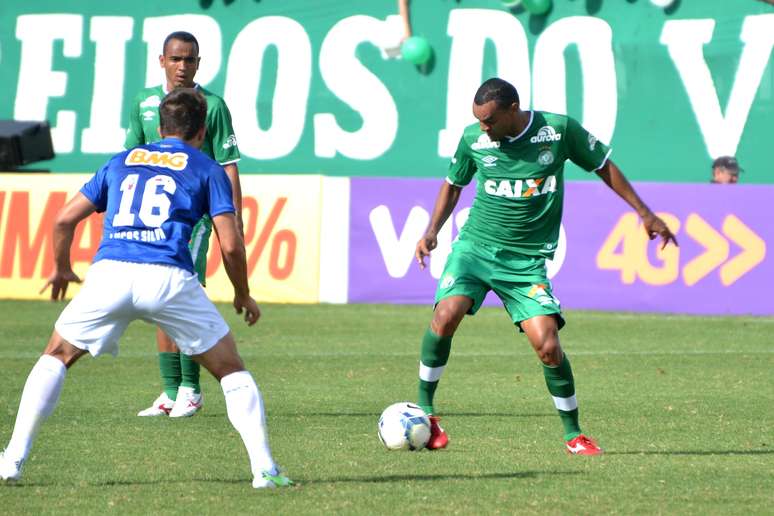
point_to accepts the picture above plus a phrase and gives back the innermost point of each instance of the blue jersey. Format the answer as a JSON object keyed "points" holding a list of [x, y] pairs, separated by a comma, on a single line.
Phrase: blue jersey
{"points": [[152, 197]]}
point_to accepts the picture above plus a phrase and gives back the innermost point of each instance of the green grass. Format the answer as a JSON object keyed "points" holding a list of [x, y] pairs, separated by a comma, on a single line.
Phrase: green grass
{"points": [[682, 405]]}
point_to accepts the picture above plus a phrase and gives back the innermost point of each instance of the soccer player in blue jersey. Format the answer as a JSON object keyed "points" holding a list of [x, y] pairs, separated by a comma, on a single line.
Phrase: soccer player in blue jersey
{"points": [[181, 395], [152, 196]]}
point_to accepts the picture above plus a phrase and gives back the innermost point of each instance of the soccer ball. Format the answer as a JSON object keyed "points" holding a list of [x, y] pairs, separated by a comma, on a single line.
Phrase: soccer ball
{"points": [[404, 426]]}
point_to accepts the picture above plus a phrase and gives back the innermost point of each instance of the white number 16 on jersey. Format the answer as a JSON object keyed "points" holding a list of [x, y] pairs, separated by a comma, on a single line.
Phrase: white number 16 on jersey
{"points": [[152, 199]]}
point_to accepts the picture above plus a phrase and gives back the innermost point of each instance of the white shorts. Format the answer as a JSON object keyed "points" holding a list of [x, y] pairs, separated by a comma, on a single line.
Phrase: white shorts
{"points": [[116, 293]]}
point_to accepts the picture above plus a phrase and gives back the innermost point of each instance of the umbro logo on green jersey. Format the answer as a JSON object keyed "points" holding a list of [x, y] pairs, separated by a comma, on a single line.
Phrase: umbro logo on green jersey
{"points": [[546, 134], [489, 161], [148, 115], [484, 142]]}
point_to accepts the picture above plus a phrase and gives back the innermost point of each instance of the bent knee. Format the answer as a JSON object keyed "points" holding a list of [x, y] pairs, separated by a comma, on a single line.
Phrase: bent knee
{"points": [[62, 350], [446, 319], [550, 352]]}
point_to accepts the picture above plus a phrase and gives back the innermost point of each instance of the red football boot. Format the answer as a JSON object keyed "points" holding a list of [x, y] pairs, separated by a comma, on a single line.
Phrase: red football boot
{"points": [[583, 445], [438, 436]]}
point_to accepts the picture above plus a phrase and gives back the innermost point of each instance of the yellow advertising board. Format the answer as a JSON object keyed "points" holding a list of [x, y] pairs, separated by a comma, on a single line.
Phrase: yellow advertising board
{"points": [[282, 239], [282, 236]]}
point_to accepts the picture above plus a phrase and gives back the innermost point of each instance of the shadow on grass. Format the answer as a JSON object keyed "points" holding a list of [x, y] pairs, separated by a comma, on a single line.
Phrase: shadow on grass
{"points": [[695, 452], [377, 414], [403, 478], [383, 479]]}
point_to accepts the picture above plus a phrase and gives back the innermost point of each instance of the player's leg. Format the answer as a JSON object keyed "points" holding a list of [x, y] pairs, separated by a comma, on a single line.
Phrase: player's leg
{"points": [[522, 285], [194, 323], [434, 355], [39, 398], [244, 406], [188, 397], [436, 346], [171, 377], [543, 334], [180, 374], [461, 291], [92, 322]]}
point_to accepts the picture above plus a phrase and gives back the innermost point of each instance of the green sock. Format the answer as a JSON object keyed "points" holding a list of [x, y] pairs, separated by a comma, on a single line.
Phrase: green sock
{"points": [[562, 388], [169, 364], [190, 373], [433, 359]]}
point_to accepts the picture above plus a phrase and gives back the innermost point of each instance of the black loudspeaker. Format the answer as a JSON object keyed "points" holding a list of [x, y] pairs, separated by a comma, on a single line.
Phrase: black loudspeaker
{"points": [[24, 142]]}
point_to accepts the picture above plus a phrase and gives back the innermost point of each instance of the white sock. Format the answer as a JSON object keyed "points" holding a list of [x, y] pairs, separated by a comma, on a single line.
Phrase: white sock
{"points": [[39, 398], [245, 411]]}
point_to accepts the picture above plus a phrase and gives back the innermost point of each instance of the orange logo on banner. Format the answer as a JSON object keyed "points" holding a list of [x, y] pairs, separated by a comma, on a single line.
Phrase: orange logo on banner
{"points": [[282, 237], [282, 253]]}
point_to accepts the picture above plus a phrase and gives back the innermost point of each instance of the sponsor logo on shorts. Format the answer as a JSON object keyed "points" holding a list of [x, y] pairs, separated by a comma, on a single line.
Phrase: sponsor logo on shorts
{"points": [[546, 134], [171, 160], [539, 294], [447, 281], [484, 142]]}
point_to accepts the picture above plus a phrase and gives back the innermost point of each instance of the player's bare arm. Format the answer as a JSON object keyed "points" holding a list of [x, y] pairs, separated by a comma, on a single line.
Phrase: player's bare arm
{"points": [[654, 225], [68, 218], [232, 247], [444, 205], [236, 189]]}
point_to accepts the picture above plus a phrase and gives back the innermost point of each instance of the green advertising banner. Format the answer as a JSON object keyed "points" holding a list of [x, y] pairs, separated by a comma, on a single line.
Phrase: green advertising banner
{"points": [[316, 86]]}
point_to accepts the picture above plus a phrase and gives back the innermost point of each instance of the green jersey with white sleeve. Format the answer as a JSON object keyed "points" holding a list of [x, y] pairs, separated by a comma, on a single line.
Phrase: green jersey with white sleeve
{"points": [[219, 142]]}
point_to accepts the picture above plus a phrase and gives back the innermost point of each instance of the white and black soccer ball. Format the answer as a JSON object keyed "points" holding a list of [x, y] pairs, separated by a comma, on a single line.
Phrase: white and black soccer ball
{"points": [[404, 426]]}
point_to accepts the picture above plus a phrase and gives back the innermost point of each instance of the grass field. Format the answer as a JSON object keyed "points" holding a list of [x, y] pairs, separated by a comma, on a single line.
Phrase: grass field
{"points": [[682, 405]]}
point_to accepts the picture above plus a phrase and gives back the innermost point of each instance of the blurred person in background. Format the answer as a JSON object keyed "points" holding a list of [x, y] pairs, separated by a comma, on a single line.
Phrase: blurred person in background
{"points": [[403, 10], [725, 171]]}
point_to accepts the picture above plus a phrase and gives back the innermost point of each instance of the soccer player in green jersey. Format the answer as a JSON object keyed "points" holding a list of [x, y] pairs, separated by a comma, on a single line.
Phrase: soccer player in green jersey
{"points": [[513, 227], [180, 60]]}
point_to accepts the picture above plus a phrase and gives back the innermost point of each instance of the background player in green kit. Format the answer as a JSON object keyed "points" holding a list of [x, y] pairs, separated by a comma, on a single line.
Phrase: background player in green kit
{"points": [[513, 227], [180, 60]]}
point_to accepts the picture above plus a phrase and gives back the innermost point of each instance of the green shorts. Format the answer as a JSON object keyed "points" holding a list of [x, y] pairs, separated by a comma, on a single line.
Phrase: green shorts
{"points": [[199, 245], [520, 281]]}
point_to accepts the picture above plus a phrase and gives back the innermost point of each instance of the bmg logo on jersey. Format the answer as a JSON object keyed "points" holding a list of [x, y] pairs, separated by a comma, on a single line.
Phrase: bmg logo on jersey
{"points": [[546, 134], [171, 160]]}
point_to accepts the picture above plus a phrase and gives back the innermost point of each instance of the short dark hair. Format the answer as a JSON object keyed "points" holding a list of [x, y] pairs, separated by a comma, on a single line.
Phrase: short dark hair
{"points": [[182, 113], [502, 92], [180, 35], [727, 162]]}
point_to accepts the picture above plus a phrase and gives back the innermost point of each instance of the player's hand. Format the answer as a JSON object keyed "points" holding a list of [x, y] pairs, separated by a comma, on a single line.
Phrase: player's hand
{"points": [[250, 308], [425, 245], [654, 226], [59, 282]]}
